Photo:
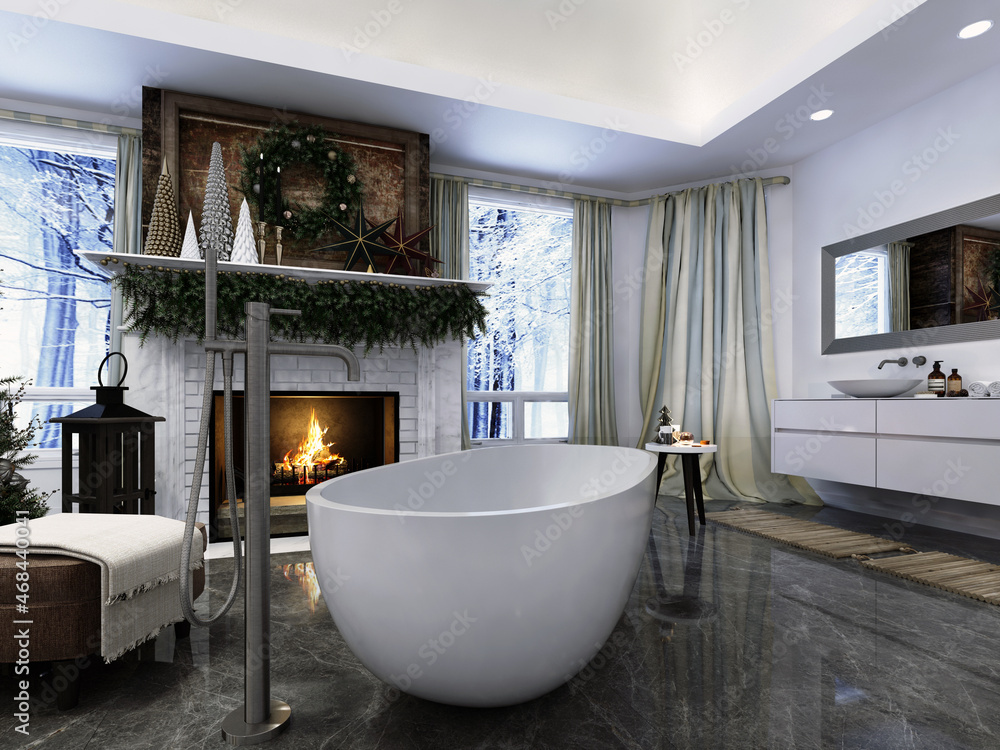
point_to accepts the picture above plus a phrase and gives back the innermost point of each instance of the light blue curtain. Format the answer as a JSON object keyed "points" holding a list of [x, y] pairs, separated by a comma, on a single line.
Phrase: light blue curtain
{"points": [[591, 363], [706, 345], [450, 243], [127, 228], [898, 255]]}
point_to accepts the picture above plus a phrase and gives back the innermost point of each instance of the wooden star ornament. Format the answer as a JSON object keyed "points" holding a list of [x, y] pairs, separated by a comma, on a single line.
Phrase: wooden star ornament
{"points": [[359, 243], [981, 298], [405, 245]]}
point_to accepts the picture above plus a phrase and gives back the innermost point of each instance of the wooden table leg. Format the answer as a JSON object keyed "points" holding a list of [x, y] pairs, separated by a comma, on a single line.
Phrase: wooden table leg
{"points": [[661, 461], [689, 471], [698, 496]]}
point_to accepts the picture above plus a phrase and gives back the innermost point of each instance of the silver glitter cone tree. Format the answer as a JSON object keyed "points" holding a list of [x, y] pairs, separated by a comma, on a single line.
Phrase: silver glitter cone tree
{"points": [[216, 218], [164, 234], [244, 246], [190, 249]]}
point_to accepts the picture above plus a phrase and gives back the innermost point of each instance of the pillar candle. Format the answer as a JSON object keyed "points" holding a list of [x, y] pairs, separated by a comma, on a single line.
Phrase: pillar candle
{"points": [[277, 199], [261, 200]]}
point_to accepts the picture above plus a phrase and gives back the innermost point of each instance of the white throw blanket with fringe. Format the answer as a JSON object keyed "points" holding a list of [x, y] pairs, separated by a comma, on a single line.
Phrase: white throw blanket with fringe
{"points": [[140, 559]]}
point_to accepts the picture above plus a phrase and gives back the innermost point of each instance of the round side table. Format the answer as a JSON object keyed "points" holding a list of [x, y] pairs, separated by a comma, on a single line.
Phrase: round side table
{"points": [[692, 476]]}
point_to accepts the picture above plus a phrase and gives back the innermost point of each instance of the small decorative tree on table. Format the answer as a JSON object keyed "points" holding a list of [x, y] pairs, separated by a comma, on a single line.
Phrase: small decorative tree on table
{"points": [[15, 495]]}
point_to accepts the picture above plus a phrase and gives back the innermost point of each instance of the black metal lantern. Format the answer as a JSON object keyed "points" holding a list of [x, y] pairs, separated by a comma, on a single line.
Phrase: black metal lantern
{"points": [[117, 452]]}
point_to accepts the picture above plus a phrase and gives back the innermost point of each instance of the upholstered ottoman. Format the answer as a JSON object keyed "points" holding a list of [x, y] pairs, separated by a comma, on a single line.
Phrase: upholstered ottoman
{"points": [[65, 614]]}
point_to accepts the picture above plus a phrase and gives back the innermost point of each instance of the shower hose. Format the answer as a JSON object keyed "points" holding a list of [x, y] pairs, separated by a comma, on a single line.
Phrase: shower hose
{"points": [[187, 604]]}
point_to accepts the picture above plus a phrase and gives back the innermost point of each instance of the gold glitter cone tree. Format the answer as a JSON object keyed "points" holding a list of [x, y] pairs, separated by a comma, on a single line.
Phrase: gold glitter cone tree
{"points": [[216, 217], [164, 234]]}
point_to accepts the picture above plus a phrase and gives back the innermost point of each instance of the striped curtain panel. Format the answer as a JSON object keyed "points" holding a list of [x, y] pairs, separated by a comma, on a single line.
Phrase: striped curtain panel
{"points": [[450, 217], [127, 229], [450, 243], [898, 261], [706, 345], [592, 417]]}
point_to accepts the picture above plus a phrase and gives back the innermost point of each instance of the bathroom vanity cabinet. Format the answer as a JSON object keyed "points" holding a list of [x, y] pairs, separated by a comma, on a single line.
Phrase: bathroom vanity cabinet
{"points": [[944, 447]]}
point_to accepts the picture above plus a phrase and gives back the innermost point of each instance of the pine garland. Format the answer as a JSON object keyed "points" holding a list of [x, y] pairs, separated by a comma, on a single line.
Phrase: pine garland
{"points": [[171, 303]]}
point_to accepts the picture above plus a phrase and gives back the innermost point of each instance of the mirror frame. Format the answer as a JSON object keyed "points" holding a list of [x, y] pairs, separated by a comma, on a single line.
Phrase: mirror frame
{"points": [[956, 332]]}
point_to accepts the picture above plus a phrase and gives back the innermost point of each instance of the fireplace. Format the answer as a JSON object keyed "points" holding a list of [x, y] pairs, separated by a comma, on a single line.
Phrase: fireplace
{"points": [[314, 436]]}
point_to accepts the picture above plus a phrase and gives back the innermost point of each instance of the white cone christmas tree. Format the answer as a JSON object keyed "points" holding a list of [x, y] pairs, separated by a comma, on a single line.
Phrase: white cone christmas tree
{"points": [[244, 247], [164, 234], [190, 249], [216, 218]]}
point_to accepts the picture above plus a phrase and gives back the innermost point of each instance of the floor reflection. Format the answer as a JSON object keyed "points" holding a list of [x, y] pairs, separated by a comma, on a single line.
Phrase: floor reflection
{"points": [[728, 642]]}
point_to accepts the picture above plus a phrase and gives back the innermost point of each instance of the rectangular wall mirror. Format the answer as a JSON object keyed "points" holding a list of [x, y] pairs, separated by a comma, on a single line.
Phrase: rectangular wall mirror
{"points": [[932, 280]]}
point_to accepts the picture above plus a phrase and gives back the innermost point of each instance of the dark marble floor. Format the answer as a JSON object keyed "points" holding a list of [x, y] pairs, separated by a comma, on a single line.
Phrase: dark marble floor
{"points": [[728, 642]]}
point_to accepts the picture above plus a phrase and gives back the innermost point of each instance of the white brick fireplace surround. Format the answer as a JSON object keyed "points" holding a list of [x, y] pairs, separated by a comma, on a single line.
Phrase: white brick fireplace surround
{"points": [[167, 379]]}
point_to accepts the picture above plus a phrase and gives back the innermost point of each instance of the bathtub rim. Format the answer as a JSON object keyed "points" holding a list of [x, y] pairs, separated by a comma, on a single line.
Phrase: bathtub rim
{"points": [[314, 495]]}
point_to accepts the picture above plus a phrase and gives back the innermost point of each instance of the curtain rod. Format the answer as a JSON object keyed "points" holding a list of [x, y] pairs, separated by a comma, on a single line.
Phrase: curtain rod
{"points": [[65, 122], [478, 182]]}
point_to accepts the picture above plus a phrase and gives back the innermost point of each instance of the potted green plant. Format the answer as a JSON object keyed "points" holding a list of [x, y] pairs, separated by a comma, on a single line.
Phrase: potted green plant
{"points": [[17, 499]]}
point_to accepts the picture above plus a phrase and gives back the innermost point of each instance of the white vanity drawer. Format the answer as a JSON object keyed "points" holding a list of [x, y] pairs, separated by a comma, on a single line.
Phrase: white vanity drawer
{"points": [[826, 415], [964, 471], [839, 458], [971, 418]]}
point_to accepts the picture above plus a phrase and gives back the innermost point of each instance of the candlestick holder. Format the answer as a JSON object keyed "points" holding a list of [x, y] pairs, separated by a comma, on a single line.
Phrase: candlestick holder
{"points": [[277, 243], [261, 241]]}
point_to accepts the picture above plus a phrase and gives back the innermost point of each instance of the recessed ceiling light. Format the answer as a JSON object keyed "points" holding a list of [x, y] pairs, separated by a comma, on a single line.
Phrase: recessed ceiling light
{"points": [[821, 114], [975, 29]]}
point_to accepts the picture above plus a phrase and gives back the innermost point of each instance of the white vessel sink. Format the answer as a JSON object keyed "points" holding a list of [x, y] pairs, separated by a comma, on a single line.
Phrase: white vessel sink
{"points": [[877, 387]]}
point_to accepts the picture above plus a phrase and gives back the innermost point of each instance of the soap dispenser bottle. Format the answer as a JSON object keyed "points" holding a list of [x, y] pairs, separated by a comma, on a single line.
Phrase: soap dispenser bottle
{"points": [[936, 380], [954, 382]]}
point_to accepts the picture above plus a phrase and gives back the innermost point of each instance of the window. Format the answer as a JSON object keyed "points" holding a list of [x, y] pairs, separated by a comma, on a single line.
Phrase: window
{"points": [[56, 197], [862, 297], [517, 374]]}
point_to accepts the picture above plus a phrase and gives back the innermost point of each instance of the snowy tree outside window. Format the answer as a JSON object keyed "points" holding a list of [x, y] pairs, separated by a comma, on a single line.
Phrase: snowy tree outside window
{"points": [[55, 200], [525, 252], [862, 294]]}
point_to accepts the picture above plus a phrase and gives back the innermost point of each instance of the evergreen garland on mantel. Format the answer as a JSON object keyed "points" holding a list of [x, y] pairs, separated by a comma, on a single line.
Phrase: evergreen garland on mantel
{"points": [[171, 302]]}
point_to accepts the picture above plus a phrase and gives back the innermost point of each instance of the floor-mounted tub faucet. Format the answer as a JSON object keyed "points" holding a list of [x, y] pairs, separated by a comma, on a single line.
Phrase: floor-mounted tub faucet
{"points": [[260, 718], [901, 362]]}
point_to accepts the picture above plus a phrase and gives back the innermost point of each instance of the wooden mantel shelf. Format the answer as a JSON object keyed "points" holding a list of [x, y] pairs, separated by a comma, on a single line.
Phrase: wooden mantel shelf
{"points": [[115, 263]]}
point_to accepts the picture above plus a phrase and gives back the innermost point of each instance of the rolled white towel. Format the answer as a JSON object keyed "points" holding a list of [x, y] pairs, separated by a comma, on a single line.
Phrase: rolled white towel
{"points": [[979, 388], [994, 388]]}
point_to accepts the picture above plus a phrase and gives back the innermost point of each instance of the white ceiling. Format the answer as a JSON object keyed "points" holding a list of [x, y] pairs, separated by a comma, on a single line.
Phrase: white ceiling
{"points": [[618, 97]]}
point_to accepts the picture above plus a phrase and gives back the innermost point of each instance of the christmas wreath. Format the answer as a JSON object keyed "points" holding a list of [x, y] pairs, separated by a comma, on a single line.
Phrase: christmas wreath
{"points": [[282, 146]]}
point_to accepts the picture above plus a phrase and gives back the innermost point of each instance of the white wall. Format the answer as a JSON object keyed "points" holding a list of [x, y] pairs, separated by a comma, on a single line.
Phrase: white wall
{"points": [[846, 185], [938, 154]]}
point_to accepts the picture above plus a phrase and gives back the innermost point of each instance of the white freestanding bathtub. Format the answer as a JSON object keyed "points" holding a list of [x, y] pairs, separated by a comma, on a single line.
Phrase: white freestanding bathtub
{"points": [[486, 577]]}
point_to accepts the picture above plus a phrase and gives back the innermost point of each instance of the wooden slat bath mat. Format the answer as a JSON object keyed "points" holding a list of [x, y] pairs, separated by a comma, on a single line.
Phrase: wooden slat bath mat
{"points": [[807, 535], [959, 575]]}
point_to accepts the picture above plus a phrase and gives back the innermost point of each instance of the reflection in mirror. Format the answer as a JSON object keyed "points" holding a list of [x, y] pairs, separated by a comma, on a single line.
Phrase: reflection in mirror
{"points": [[939, 275], [955, 279], [862, 281]]}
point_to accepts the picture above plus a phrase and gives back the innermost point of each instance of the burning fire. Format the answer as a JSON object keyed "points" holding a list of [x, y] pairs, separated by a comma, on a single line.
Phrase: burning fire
{"points": [[312, 451], [306, 575]]}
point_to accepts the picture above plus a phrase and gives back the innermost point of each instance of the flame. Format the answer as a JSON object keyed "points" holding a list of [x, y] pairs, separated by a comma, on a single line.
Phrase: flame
{"points": [[312, 451], [306, 577]]}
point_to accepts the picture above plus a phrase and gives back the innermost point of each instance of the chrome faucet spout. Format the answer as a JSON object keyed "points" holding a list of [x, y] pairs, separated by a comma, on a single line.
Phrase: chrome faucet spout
{"points": [[901, 362], [321, 350]]}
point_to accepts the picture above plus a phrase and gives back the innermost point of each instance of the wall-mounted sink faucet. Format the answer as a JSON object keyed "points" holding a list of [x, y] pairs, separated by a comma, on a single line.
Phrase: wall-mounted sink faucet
{"points": [[920, 359], [901, 362]]}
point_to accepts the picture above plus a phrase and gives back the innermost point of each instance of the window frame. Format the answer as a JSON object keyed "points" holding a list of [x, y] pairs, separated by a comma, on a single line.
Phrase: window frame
{"points": [[34, 135], [519, 201]]}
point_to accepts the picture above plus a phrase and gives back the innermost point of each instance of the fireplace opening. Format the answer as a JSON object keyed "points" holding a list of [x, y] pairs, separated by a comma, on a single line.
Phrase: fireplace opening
{"points": [[315, 436]]}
